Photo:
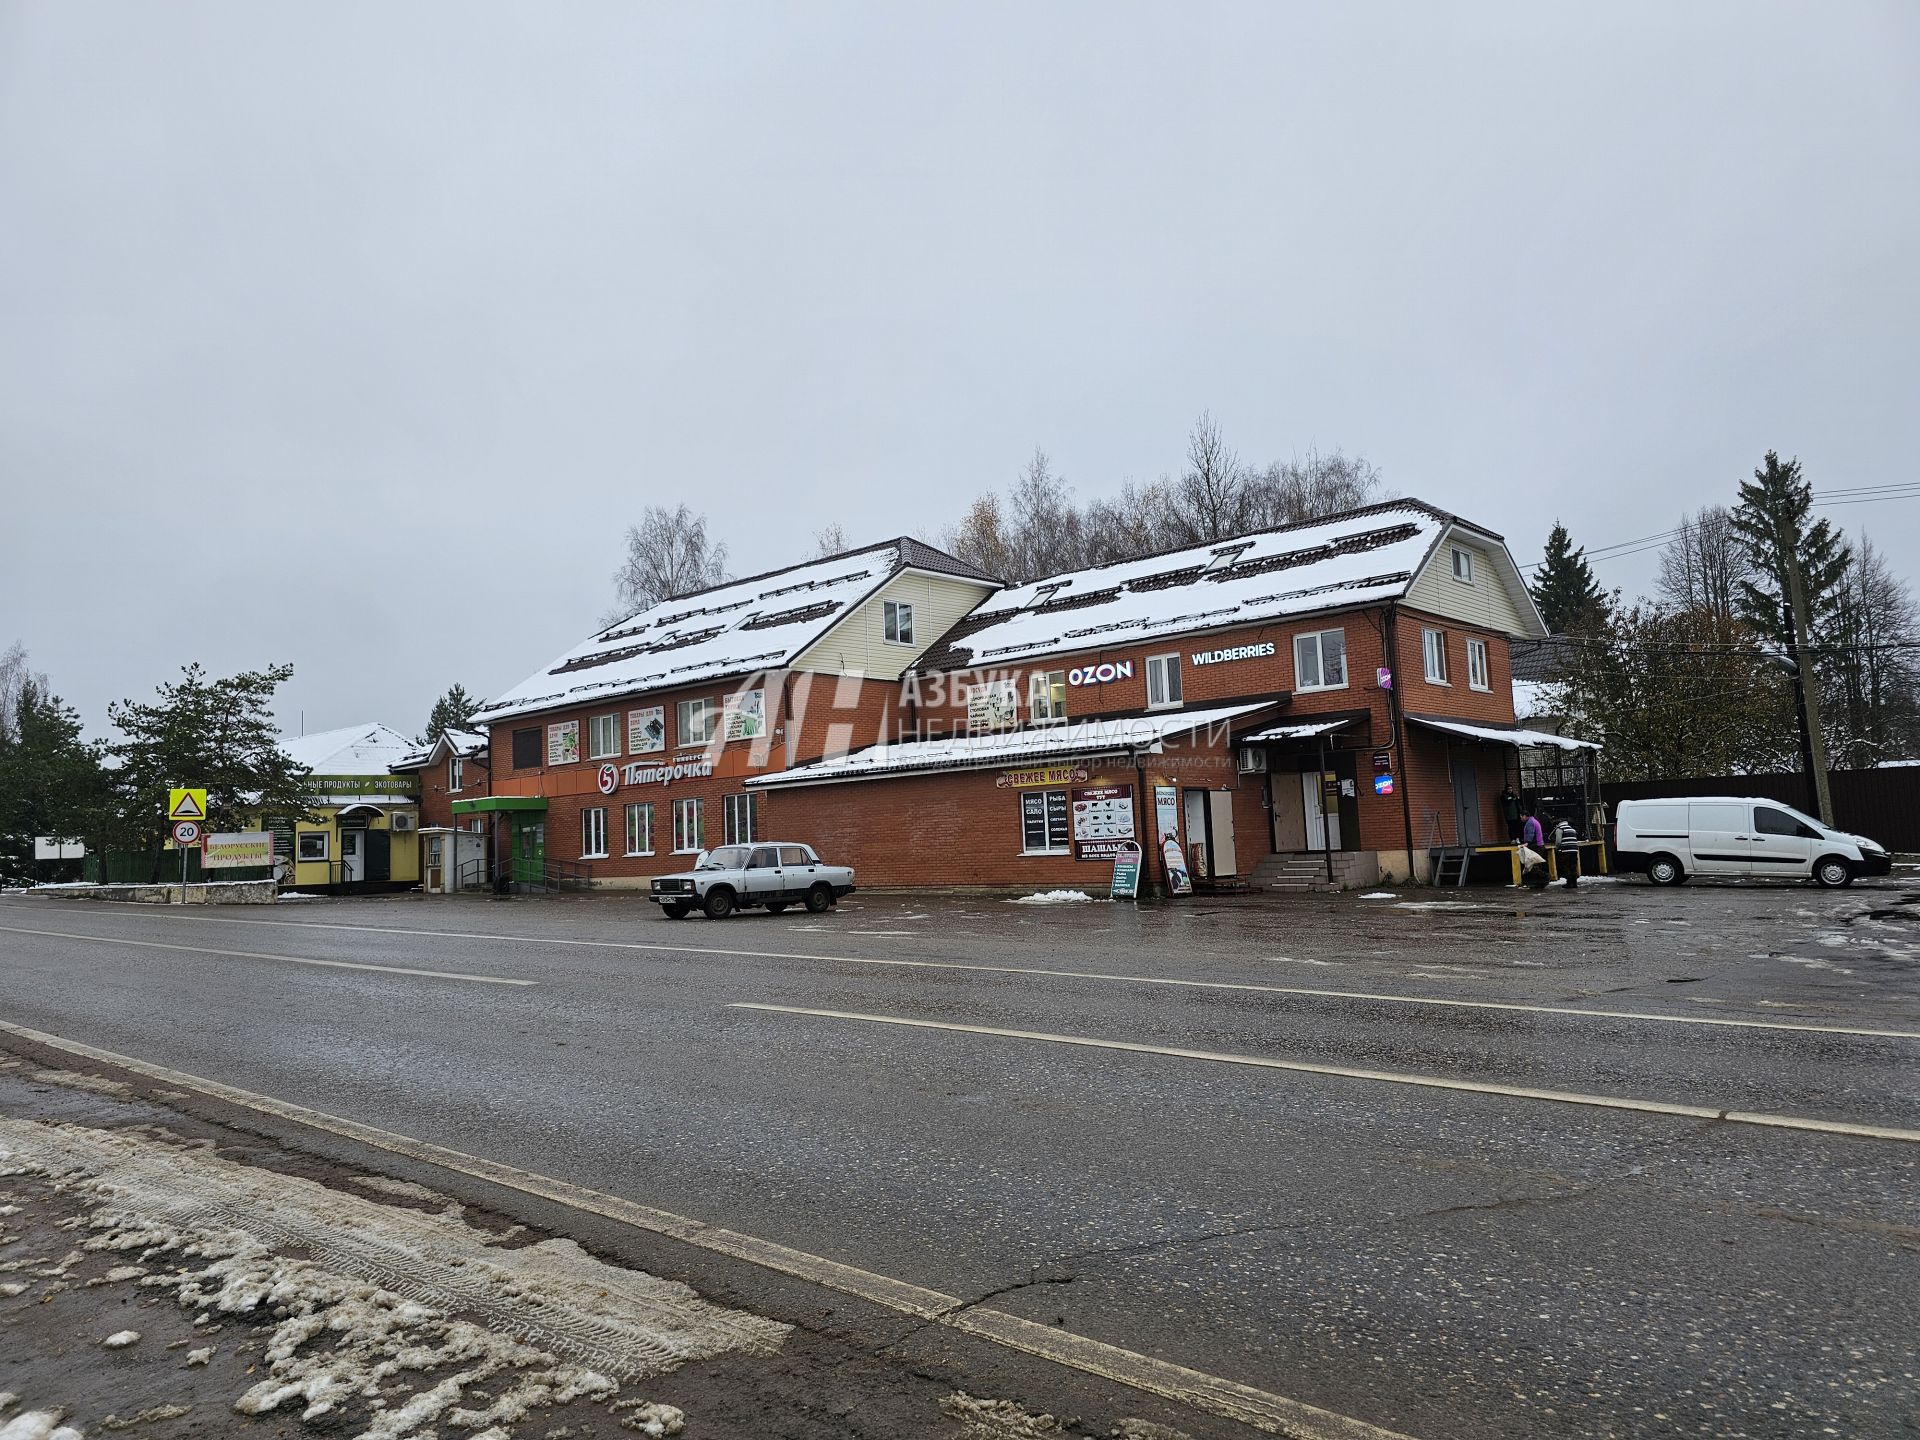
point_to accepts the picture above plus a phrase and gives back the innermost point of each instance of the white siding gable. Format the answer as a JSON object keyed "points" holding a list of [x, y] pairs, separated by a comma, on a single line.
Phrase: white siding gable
{"points": [[1494, 599], [858, 642]]}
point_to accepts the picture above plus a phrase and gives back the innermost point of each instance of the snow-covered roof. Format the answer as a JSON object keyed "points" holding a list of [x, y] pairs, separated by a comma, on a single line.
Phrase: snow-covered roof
{"points": [[1502, 736], [464, 743], [1013, 747], [1363, 556], [760, 623], [371, 749], [1304, 731]]}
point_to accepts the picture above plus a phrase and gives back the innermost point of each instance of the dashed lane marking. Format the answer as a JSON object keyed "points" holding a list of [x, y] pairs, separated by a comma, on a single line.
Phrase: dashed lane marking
{"points": [[1213, 1394], [1577, 1012], [1389, 1077], [283, 959]]}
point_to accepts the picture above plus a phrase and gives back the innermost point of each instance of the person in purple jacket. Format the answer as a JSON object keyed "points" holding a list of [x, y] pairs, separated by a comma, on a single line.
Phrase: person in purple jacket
{"points": [[1531, 834]]}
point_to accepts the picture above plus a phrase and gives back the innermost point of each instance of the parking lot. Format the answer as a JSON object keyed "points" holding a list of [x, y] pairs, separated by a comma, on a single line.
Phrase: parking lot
{"points": [[1607, 1161]]}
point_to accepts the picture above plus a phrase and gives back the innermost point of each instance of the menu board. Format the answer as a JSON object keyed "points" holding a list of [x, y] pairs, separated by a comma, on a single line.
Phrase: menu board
{"points": [[1102, 821], [1043, 820]]}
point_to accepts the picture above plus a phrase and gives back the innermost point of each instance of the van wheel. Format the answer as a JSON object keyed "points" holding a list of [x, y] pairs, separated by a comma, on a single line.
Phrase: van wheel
{"points": [[1833, 872], [719, 903], [1665, 870], [819, 900], [676, 911]]}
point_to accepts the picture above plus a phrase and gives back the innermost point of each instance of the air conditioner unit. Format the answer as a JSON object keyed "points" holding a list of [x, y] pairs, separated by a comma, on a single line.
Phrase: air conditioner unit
{"points": [[1253, 760], [402, 820]]}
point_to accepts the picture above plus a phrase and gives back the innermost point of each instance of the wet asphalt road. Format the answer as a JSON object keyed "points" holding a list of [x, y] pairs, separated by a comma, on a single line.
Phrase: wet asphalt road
{"points": [[1444, 1263]]}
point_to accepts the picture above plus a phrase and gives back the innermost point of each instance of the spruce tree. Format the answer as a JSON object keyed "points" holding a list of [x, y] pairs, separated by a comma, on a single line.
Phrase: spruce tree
{"points": [[1570, 599], [452, 711], [1778, 503], [51, 781]]}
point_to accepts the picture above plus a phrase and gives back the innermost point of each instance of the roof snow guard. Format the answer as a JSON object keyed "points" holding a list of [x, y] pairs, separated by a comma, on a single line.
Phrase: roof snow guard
{"points": [[759, 623], [1364, 556], [1147, 733]]}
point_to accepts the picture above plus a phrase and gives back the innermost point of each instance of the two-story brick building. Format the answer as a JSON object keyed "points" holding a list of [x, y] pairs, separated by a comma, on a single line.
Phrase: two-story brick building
{"points": [[1330, 698]]}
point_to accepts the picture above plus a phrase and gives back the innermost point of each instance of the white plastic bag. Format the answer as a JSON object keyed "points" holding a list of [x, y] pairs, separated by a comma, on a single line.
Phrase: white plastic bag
{"points": [[1530, 857]]}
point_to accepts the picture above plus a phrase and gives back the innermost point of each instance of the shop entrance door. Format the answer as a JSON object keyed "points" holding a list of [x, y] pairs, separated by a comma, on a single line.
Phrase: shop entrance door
{"points": [[529, 854], [1466, 798], [353, 856], [1323, 826]]}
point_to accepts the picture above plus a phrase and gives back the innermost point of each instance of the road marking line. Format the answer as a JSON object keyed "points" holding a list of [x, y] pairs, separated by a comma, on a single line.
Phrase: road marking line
{"points": [[1391, 1077], [1275, 1414], [1252, 987], [284, 959]]}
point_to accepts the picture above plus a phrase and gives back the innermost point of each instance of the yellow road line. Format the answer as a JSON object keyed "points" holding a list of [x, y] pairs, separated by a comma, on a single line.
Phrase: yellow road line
{"points": [[1390, 1077], [257, 955], [1380, 997], [1275, 1414]]}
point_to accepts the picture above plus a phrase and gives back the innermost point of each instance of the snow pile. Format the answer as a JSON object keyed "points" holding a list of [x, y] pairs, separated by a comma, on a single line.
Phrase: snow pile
{"points": [[120, 1339], [1380, 895], [34, 1424], [368, 1301], [1053, 897], [286, 895]]}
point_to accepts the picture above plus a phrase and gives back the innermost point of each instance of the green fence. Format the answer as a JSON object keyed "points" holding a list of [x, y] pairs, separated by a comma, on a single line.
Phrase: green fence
{"points": [[134, 867]]}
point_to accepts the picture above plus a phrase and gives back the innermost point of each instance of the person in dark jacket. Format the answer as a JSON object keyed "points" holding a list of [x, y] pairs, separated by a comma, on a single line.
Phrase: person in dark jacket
{"points": [[1566, 844], [1510, 812]]}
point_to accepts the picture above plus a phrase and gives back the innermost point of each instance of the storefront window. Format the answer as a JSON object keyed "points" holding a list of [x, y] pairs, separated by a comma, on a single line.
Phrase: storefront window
{"points": [[689, 830], [639, 829], [1043, 822], [593, 833], [313, 845], [742, 818]]}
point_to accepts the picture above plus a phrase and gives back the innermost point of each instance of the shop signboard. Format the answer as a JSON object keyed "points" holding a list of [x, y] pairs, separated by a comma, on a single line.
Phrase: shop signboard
{"points": [[1179, 882], [1105, 673], [563, 743], [1233, 652], [993, 705], [321, 787], [1102, 821], [233, 850], [1383, 784], [743, 716], [1126, 873], [647, 730], [1040, 775]]}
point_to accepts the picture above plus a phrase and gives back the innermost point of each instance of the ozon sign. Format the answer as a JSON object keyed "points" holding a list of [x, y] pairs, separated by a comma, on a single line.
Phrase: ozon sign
{"points": [[1102, 673]]}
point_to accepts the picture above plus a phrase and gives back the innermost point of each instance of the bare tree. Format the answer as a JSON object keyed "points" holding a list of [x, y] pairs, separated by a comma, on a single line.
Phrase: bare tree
{"points": [[980, 538], [1703, 566], [1288, 492], [1209, 498], [668, 555], [1865, 655], [1133, 523], [15, 677], [830, 541]]}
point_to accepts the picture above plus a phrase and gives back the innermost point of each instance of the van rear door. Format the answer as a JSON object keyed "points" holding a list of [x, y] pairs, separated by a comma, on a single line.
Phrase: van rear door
{"points": [[1721, 837]]}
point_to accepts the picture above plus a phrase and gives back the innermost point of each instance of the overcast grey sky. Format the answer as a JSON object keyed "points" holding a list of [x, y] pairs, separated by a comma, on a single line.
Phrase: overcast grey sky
{"points": [[355, 335]]}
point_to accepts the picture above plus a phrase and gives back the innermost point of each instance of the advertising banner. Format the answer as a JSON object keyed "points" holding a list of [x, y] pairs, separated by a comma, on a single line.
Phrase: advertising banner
{"points": [[1102, 821], [1126, 873], [563, 743], [993, 705], [744, 716], [647, 730], [1179, 882], [237, 849], [1166, 813]]}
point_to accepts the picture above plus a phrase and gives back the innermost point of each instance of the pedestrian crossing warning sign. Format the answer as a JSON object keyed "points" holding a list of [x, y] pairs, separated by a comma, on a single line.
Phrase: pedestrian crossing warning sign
{"points": [[186, 804]]}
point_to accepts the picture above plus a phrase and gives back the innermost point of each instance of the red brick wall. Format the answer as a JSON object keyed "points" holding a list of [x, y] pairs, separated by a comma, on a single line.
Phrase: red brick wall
{"points": [[436, 800]]}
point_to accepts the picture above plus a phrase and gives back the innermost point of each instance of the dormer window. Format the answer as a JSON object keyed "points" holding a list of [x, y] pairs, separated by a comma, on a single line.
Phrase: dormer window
{"points": [[897, 619], [1463, 565]]}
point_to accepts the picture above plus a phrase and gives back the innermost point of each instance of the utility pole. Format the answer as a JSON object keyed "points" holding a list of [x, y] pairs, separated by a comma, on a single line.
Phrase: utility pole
{"points": [[1809, 689]]}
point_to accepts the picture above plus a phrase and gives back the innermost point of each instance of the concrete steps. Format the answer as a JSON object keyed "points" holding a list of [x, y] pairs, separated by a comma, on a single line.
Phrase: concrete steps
{"points": [[1305, 871]]}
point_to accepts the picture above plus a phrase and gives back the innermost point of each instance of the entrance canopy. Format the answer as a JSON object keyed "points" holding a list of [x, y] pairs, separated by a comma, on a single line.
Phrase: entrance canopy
{"points": [[1147, 733], [1500, 736], [499, 802], [1308, 730]]}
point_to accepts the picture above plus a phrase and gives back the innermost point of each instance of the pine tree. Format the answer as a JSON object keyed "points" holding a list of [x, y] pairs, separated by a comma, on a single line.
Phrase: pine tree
{"points": [[1778, 503], [1570, 599], [217, 733], [452, 711]]}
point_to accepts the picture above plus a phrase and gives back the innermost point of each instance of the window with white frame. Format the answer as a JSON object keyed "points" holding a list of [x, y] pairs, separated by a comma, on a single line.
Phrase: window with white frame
{"points": [[896, 618], [456, 773], [689, 829], [1433, 649], [1320, 660], [1163, 681], [1463, 565], [1043, 822], [1047, 695], [603, 736], [640, 829], [742, 815], [593, 833], [1477, 671], [698, 719], [313, 845]]}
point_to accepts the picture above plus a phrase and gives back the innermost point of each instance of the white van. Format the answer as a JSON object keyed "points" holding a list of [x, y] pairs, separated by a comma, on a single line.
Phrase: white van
{"points": [[1669, 840]]}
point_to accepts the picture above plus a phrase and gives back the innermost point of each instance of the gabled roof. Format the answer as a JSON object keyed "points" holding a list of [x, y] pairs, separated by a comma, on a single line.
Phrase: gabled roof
{"points": [[1360, 557], [760, 623], [464, 743], [371, 749]]}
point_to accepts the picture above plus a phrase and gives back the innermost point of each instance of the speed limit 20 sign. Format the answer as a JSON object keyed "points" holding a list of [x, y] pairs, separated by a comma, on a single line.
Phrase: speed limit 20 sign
{"points": [[186, 832]]}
